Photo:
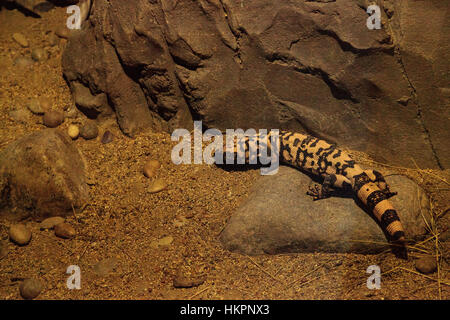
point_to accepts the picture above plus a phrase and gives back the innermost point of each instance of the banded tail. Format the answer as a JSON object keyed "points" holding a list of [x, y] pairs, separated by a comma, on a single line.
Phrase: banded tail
{"points": [[377, 202]]}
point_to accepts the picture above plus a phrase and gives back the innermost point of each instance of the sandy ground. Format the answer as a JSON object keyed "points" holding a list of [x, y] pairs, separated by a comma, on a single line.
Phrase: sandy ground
{"points": [[123, 220]]}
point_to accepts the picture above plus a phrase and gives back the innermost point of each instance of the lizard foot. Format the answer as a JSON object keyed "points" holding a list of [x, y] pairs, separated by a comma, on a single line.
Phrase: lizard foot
{"points": [[316, 192]]}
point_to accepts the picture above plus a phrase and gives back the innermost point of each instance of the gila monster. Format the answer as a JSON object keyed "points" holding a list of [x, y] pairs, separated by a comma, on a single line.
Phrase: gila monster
{"points": [[336, 167]]}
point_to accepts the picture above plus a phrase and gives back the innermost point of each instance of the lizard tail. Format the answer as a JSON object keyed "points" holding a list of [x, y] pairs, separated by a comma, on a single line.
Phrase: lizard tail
{"points": [[377, 202]]}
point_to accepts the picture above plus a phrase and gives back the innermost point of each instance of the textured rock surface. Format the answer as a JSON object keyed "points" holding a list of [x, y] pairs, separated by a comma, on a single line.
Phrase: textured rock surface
{"points": [[279, 217], [41, 175], [304, 65]]}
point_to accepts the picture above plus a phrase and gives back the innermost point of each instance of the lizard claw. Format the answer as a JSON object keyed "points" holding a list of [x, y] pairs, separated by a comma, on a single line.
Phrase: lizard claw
{"points": [[314, 192]]}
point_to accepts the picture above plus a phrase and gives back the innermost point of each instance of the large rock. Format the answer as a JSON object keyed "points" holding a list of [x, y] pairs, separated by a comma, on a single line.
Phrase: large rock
{"points": [[303, 65], [279, 217], [41, 175]]}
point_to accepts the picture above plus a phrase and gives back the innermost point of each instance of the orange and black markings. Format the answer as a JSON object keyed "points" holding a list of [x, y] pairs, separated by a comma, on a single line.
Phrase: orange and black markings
{"points": [[338, 170]]}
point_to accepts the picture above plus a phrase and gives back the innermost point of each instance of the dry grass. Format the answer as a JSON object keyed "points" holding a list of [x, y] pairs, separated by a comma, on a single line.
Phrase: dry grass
{"points": [[433, 184]]}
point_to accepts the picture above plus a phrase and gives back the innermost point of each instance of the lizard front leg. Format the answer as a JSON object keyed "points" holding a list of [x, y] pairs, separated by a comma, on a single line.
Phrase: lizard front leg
{"points": [[318, 192]]}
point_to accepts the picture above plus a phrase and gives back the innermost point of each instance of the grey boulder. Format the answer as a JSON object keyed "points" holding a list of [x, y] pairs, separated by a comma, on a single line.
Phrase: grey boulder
{"points": [[278, 217], [41, 175]]}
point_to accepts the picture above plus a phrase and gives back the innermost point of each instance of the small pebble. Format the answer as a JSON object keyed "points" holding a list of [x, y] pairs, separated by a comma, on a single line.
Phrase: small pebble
{"points": [[163, 242], [73, 131], [52, 118], [183, 281], [20, 39], [30, 288], [107, 137], [166, 241], [89, 131], [426, 264], [19, 234], [39, 54], [157, 186], [34, 105], [50, 223], [151, 167], [65, 231], [23, 62], [403, 100]]}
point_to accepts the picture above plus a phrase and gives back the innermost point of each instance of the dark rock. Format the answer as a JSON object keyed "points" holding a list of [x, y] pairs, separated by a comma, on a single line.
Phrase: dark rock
{"points": [[34, 6], [279, 217], [42, 175], [259, 64], [44, 6], [30, 288], [107, 137], [89, 131]]}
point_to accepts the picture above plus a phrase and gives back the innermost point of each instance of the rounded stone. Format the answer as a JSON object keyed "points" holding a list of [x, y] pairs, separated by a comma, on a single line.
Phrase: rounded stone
{"points": [[30, 288], [65, 231], [166, 241], [50, 223], [73, 131], [107, 137], [34, 105], [151, 167], [39, 54], [89, 131], [19, 234], [20, 39], [426, 264], [157, 186], [53, 119]]}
